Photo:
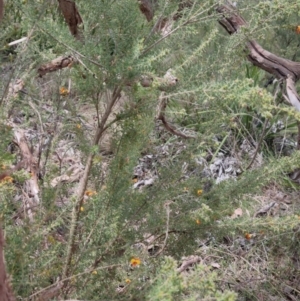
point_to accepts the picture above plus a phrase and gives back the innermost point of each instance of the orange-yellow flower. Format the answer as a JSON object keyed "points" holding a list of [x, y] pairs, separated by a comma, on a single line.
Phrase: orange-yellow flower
{"points": [[7, 179], [63, 91], [90, 192], [94, 272], [78, 125], [127, 280], [298, 29], [81, 209], [248, 236], [135, 261], [199, 192], [198, 222]]}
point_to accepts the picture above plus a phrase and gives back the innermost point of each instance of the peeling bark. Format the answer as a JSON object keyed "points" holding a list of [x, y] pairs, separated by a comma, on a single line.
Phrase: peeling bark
{"points": [[29, 163], [281, 68], [147, 8], [258, 56], [56, 64], [72, 17], [6, 293]]}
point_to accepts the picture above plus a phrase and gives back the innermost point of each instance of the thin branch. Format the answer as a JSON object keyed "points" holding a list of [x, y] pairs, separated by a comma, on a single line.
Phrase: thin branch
{"points": [[58, 285], [79, 194], [191, 19], [167, 125], [37, 113], [72, 49], [258, 144], [168, 211]]}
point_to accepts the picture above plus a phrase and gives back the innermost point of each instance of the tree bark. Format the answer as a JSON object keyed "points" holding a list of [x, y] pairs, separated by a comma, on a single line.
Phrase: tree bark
{"points": [[1, 10], [6, 293], [72, 17], [280, 67], [147, 8]]}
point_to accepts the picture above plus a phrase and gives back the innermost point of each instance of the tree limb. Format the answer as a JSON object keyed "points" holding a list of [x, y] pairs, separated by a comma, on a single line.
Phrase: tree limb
{"points": [[161, 116], [56, 64], [258, 56], [72, 17]]}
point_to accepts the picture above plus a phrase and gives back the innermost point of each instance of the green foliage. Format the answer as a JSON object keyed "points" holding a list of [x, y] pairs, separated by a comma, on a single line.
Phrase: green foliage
{"points": [[220, 97], [199, 284]]}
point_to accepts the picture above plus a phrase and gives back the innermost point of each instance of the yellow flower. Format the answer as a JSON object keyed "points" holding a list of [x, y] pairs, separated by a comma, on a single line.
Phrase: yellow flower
{"points": [[81, 209], [185, 189], [135, 261], [78, 125], [63, 91], [199, 192], [134, 180], [94, 272], [198, 222], [127, 280], [298, 29]]}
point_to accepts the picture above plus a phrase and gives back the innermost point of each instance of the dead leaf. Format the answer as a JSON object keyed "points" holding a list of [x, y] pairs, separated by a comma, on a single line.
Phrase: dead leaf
{"points": [[15, 87], [215, 265], [237, 213]]}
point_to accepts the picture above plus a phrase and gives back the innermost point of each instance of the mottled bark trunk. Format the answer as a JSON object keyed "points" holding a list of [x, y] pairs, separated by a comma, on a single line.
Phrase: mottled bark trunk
{"points": [[5, 290], [1, 10]]}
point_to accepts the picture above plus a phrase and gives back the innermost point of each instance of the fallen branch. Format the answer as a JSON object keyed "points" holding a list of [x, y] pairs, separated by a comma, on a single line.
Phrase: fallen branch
{"points": [[188, 262], [29, 163], [56, 64], [281, 68]]}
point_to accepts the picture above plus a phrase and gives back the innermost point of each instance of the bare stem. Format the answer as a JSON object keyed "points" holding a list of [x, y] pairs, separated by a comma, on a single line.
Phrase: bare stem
{"points": [[79, 194]]}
